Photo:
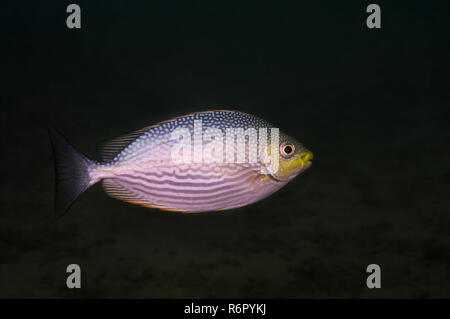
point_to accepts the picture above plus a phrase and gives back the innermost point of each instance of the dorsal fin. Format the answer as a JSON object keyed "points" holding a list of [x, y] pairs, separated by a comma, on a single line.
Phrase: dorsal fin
{"points": [[109, 149]]}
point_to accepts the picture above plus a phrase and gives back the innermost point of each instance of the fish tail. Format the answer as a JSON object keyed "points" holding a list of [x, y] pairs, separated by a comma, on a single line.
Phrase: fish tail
{"points": [[71, 172]]}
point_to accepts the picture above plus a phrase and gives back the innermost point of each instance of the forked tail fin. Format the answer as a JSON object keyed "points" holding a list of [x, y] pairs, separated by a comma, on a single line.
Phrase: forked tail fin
{"points": [[71, 172]]}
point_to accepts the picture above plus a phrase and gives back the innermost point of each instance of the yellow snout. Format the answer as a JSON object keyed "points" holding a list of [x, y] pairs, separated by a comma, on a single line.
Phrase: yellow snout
{"points": [[305, 157]]}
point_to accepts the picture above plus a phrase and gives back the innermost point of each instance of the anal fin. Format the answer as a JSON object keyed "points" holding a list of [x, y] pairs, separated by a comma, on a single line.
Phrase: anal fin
{"points": [[118, 189]]}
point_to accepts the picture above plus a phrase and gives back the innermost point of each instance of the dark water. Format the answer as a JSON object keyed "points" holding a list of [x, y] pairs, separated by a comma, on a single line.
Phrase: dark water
{"points": [[373, 106]]}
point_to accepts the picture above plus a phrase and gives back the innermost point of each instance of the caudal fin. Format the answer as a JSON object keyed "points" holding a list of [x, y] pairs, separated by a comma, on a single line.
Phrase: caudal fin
{"points": [[71, 170]]}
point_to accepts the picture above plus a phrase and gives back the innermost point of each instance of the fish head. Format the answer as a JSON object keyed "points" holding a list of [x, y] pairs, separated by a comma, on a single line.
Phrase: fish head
{"points": [[294, 158]]}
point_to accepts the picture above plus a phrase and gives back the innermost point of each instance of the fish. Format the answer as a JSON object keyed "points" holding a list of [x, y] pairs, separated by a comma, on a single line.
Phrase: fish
{"points": [[206, 161]]}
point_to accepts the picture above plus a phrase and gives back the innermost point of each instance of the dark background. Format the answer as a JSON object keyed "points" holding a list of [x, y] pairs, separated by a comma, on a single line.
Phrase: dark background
{"points": [[373, 106]]}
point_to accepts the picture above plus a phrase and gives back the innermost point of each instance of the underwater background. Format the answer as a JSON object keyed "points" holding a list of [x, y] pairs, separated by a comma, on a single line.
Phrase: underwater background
{"points": [[373, 106]]}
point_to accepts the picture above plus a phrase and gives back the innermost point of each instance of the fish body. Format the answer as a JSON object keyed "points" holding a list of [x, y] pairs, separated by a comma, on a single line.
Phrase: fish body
{"points": [[203, 161]]}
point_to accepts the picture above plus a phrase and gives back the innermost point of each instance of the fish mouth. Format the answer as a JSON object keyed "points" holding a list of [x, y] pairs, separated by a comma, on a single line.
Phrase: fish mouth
{"points": [[305, 157], [299, 163], [293, 167]]}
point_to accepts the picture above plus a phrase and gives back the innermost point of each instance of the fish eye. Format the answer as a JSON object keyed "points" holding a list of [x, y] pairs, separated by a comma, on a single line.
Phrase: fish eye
{"points": [[287, 149]]}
